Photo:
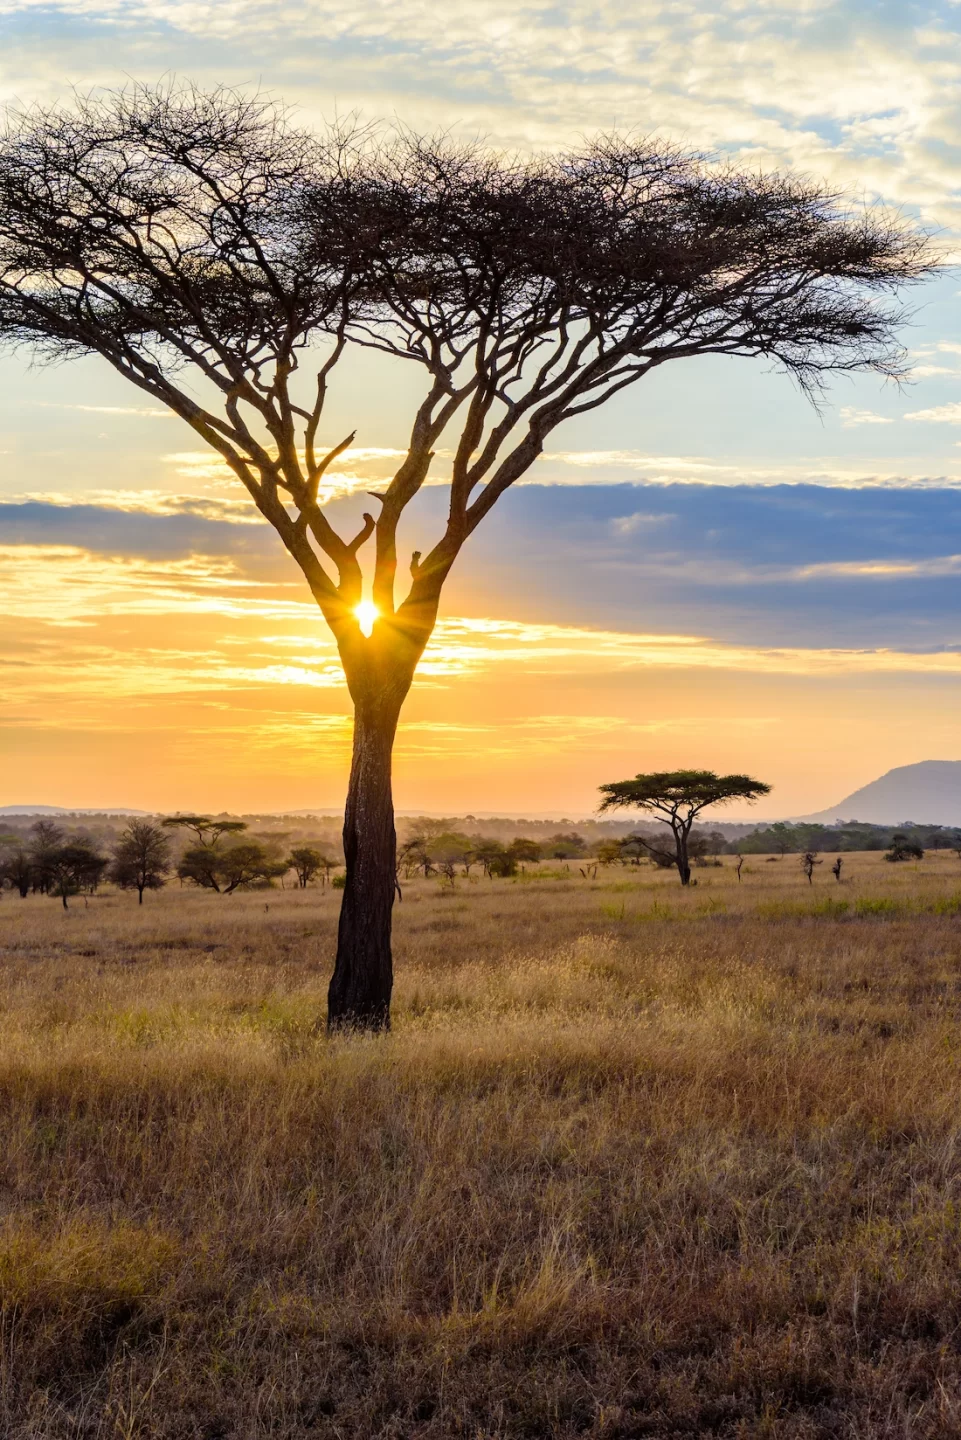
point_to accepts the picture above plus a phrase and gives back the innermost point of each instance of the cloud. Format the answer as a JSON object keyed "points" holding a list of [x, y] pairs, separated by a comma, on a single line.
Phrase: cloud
{"points": [[851, 417], [146, 502], [640, 520], [938, 414], [142, 411], [355, 469], [68, 585], [859, 92], [878, 569], [639, 467]]}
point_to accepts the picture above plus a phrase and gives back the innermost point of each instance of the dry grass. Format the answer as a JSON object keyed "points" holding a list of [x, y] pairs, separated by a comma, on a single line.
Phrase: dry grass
{"points": [[634, 1162]]}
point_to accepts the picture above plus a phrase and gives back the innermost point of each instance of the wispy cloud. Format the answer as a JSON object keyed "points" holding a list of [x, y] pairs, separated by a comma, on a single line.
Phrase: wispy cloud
{"points": [[640, 521], [82, 590], [850, 90], [355, 469], [949, 414], [66, 585], [605, 467], [141, 411], [240, 511], [851, 417]]}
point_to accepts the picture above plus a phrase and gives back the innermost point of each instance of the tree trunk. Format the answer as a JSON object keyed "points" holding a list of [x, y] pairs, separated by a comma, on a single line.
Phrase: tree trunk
{"points": [[360, 990], [683, 863]]}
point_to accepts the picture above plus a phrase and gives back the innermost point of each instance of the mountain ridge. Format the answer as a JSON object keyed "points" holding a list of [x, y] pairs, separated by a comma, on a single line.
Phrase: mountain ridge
{"points": [[928, 793]]}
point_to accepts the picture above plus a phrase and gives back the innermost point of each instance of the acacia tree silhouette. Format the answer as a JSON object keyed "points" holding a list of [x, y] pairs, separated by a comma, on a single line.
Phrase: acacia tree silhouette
{"points": [[676, 798], [201, 244]]}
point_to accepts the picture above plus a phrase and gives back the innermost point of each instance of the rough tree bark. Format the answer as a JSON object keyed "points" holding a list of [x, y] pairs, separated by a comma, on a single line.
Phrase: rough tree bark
{"points": [[683, 860], [360, 989], [379, 670]]}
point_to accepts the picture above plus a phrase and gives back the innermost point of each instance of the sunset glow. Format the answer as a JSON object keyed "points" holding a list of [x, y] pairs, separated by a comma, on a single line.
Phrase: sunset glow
{"points": [[366, 613]]}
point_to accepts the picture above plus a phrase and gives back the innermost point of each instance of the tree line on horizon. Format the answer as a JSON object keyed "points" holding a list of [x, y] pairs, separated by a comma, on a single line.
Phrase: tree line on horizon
{"points": [[221, 856]]}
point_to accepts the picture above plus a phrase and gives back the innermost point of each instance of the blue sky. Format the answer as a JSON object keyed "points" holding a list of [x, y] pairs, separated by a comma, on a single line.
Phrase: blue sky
{"points": [[712, 504]]}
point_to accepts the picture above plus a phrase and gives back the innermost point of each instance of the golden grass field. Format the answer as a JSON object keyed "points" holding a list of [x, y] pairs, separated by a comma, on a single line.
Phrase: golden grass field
{"points": [[634, 1162]]}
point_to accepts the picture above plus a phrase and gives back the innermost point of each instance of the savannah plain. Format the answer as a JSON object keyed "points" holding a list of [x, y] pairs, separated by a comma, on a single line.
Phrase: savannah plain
{"points": [[633, 1161]]}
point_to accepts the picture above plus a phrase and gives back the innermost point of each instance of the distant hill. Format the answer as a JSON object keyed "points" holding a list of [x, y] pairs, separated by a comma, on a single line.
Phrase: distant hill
{"points": [[64, 810], [929, 792]]}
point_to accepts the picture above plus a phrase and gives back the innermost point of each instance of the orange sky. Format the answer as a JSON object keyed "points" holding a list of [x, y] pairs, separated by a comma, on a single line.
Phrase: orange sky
{"points": [[182, 684]]}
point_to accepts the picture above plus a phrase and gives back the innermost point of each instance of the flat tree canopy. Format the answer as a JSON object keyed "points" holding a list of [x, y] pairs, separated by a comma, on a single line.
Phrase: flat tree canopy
{"points": [[677, 797], [668, 793], [224, 260]]}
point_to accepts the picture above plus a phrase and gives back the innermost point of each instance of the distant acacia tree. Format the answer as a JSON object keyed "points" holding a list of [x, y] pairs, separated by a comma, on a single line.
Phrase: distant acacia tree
{"points": [[610, 852], [141, 858], [676, 798], [72, 868], [16, 864], [201, 245], [47, 840], [524, 851], [903, 848], [782, 836], [450, 849], [488, 853], [306, 863], [248, 863], [565, 845], [230, 867], [410, 856], [207, 832], [200, 864]]}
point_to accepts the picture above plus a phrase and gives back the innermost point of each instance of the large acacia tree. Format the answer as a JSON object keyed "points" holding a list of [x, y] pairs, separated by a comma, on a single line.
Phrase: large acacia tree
{"points": [[676, 798], [223, 261]]}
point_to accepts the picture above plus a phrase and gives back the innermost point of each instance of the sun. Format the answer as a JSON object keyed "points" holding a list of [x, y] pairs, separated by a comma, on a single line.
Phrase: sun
{"points": [[366, 613]]}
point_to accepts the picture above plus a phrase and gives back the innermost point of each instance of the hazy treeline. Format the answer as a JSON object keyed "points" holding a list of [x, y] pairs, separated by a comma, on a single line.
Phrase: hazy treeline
{"points": [[786, 838], [67, 856]]}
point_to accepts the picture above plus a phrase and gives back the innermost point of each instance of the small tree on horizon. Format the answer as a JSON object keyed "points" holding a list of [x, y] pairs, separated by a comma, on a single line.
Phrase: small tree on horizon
{"points": [[47, 839], [72, 868], [489, 852], [210, 251], [16, 864], [227, 868], [903, 848], [676, 798], [524, 850], [306, 862], [141, 858], [247, 864], [207, 832]]}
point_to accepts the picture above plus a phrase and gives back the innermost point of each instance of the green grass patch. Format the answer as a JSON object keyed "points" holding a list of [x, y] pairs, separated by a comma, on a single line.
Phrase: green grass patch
{"points": [[882, 905]]}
